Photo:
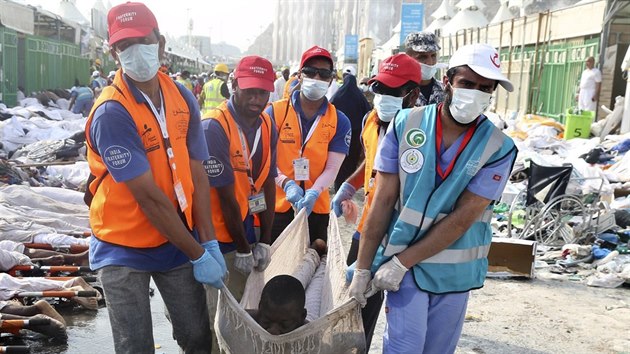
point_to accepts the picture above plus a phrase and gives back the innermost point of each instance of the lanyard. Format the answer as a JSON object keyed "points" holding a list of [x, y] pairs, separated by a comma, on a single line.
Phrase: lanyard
{"points": [[438, 143], [310, 132], [248, 155], [161, 118]]}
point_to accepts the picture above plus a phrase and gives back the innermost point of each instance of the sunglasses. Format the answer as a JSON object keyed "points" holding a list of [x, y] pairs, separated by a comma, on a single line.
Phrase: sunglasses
{"points": [[310, 72], [380, 88]]}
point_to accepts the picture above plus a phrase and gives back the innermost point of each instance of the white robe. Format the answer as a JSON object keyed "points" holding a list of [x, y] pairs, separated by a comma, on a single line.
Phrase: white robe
{"points": [[588, 88]]}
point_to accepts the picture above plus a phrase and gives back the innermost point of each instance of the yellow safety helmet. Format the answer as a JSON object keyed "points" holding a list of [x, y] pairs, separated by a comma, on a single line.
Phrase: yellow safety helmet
{"points": [[97, 61], [222, 68]]}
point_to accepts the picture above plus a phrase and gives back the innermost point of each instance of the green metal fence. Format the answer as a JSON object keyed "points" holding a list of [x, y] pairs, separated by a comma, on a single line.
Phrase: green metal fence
{"points": [[53, 64], [8, 66], [556, 79]]}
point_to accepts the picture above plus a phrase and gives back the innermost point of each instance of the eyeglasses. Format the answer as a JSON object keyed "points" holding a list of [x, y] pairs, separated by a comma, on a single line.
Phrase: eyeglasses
{"points": [[310, 72]]}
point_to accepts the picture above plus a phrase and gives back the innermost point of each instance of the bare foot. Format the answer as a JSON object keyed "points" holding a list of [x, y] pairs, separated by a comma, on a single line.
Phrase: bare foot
{"points": [[90, 303], [54, 329], [46, 309], [80, 259]]}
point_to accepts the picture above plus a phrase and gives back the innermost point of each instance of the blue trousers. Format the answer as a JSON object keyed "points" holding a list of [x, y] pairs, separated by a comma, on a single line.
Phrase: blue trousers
{"points": [[420, 322]]}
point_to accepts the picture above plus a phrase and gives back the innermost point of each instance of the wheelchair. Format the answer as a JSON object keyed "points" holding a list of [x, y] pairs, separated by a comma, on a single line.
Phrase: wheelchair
{"points": [[545, 212]]}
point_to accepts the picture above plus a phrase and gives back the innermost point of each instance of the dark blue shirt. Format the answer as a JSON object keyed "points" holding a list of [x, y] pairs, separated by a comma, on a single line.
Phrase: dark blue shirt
{"points": [[113, 128]]}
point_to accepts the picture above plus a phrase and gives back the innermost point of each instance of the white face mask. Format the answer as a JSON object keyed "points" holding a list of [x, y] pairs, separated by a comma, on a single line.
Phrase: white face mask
{"points": [[428, 71], [386, 106], [466, 104], [363, 87], [140, 61], [314, 89]]}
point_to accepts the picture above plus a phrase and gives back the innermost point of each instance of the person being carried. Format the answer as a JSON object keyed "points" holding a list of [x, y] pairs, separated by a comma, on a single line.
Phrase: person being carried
{"points": [[281, 308]]}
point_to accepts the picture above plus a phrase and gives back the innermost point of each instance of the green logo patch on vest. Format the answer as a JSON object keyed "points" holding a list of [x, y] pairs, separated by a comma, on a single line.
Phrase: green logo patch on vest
{"points": [[415, 138]]}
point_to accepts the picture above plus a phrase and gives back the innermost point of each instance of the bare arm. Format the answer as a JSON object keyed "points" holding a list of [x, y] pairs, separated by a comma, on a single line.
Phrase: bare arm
{"points": [[468, 209], [358, 177], [378, 219], [598, 87], [232, 217], [201, 202], [159, 209], [266, 217]]}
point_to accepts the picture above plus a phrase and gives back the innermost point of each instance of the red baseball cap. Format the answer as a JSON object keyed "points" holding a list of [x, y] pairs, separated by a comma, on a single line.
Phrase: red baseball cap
{"points": [[397, 70], [255, 72], [316, 51], [130, 20]]}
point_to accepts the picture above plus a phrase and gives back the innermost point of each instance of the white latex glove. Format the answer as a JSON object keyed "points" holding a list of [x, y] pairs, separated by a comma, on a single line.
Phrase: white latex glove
{"points": [[360, 285], [244, 262], [262, 256], [389, 275]]}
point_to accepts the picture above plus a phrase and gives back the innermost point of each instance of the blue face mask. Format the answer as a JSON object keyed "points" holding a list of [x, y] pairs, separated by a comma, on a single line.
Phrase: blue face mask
{"points": [[140, 61]]}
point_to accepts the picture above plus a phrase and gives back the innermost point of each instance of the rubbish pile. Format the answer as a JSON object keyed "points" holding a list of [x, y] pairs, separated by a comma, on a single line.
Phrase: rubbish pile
{"points": [[573, 198]]}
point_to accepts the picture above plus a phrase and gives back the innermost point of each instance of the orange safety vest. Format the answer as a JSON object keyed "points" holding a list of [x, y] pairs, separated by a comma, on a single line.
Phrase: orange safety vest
{"points": [[287, 87], [115, 215], [369, 135], [242, 188], [316, 150]]}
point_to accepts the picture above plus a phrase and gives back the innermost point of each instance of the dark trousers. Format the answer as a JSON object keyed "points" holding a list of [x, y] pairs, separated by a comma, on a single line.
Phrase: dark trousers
{"points": [[373, 307], [317, 225], [351, 161]]}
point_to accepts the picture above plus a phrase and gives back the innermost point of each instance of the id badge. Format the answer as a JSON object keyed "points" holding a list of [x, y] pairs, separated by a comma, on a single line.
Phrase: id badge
{"points": [[301, 169], [181, 196], [257, 203], [371, 183]]}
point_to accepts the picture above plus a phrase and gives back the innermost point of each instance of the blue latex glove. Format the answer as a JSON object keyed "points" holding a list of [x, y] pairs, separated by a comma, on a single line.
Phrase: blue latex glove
{"points": [[310, 197], [213, 248], [350, 272], [293, 191], [345, 192], [207, 271]]}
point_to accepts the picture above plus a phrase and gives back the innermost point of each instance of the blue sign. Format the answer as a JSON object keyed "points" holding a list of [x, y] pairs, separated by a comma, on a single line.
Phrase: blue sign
{"points": [[411, 19], [351, 49]]}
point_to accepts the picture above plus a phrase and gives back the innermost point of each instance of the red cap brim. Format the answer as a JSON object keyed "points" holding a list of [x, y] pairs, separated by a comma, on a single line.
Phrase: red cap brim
{"points": [[125, 33], [255, 83], [389, 80]]}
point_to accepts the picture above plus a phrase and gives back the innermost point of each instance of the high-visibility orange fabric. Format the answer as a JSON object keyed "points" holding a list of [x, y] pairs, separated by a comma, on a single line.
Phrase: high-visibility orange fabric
{"points": [[242, 187], [316, 150], [369, 135], [115, 216]]}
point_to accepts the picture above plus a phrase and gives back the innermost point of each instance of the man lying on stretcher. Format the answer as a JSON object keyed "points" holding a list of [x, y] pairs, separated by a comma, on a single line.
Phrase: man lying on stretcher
{"points": [[281, 308]]}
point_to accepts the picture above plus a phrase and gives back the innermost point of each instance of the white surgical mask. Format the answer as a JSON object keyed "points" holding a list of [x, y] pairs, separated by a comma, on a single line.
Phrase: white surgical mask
{"points": [[428, 71], [140, 61], [466, 104], [363, 87], [314, 89], [386, 106]]}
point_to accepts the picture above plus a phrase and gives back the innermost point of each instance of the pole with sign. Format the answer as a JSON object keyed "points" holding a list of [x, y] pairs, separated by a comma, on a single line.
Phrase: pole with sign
{"points": [[411, 20]]}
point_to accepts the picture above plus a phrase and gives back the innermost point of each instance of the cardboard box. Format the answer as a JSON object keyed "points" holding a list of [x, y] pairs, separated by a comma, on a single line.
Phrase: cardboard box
{"points": [[510, 257]]}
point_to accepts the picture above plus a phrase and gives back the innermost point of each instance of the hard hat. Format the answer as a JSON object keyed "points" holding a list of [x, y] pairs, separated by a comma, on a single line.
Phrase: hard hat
{"points": [[97, 61], [222, 68]]}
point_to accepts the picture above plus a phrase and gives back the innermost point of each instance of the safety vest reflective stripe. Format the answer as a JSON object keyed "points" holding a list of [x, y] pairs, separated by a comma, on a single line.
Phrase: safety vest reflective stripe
{"points": [[449, 256], [212, 94]]}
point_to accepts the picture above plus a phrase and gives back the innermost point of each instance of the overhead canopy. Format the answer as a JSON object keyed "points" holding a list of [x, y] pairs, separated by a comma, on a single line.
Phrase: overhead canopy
{"points": [[503, 13], [469, 16], [17, 17]]}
